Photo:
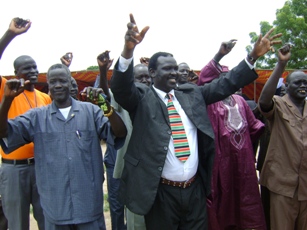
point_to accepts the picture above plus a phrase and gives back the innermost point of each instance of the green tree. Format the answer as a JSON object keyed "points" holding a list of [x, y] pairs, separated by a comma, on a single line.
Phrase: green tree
{"points": [[93, 67], [291, 21]]}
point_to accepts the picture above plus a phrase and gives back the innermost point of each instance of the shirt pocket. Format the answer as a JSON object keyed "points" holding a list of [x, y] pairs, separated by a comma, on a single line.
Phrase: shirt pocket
{"points": [[290, 121]]}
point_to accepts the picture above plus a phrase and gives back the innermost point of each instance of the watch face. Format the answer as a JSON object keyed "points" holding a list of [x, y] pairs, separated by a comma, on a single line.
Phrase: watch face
{"points": [[250, 58]]}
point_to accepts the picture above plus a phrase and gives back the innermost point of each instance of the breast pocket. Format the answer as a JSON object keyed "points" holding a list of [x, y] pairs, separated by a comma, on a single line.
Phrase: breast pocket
{"points": [[288, 120]]}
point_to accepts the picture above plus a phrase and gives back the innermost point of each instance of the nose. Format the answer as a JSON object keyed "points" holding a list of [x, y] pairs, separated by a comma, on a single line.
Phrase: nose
{"points": [[58, 84], [174, 72], [33, 70]]}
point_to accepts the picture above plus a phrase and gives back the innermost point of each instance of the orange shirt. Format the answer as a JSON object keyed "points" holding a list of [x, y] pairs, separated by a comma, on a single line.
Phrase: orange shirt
{"points": [[22, 103], [3, 81]]}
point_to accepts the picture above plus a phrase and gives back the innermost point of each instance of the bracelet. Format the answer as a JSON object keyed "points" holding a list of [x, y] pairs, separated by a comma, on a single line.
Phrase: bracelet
{"points": [[109, 113]]}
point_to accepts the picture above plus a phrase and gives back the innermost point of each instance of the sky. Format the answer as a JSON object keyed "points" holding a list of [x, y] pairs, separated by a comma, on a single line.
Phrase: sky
{"points": [[191, 30]]}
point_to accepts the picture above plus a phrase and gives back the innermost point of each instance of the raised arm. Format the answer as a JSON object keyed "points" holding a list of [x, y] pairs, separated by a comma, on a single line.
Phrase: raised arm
{"points": [[133, 37], [268, 91], [122, 82], [104, 63], [213, 69], [225, 49], [17, 26], [12, 89]]}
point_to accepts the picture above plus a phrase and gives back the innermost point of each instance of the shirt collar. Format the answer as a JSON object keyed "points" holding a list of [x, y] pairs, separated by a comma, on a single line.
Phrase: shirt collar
{"points": [[162, 94], [74, 106]]}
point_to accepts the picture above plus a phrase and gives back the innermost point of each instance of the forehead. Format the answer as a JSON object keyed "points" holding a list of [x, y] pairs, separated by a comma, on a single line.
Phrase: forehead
{"points": [[59, 73], [166, 61], [298, 77], [24, 62], [141, 70], [183, 66]]}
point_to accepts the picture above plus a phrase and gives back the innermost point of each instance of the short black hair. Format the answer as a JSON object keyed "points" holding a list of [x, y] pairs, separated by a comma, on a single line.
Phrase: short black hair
{"points": [[288, 78], [59, 66], [18, 61], [153, 60]]}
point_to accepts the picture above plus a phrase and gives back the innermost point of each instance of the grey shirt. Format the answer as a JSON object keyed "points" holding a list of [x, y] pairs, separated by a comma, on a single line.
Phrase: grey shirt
{"points": [[68, 158]]}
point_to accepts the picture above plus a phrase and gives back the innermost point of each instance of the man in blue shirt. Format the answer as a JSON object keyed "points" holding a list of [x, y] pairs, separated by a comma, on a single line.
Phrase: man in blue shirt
{"points": [[66, 135]]}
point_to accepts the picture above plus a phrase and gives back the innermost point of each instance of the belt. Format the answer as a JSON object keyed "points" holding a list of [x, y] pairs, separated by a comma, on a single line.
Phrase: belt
{"points": [[28, 161], [180, 184]]}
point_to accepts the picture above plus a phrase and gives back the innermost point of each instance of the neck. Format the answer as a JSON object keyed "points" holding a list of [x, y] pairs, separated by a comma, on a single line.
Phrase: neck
{"points": [[64, 104], [299, 103], [29, 87]]}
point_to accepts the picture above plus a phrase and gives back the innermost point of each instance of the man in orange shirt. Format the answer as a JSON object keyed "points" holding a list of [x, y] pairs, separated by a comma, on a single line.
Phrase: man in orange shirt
{"points": [[18, 184], [3, 220]]}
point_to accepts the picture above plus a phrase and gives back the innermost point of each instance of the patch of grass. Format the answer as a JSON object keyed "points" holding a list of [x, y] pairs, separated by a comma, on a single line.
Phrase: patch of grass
{"points": [[106, 206]]}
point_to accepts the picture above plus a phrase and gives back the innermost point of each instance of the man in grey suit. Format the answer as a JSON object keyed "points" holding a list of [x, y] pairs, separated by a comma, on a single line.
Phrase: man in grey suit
{"points": [[155, 183]]}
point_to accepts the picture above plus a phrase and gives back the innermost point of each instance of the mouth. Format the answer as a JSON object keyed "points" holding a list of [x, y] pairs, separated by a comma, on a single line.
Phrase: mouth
{"points": [[33, 78], [302, 91], [172, 80], [58, 92]]}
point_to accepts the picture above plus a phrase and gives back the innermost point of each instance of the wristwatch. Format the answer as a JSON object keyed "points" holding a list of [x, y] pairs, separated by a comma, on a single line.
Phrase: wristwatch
{"points": [[250, 58]]}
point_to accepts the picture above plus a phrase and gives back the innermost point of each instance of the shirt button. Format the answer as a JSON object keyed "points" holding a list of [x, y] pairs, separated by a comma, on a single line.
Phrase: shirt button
{"points": [[165, 148], [160, 169], [69, 158]]}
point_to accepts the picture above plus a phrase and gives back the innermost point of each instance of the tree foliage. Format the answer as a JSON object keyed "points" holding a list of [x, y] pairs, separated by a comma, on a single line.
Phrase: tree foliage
{"points": [[93, 67], [291, 21]]}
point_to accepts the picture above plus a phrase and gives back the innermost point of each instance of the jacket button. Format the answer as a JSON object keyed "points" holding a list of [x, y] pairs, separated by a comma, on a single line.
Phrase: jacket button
{"points": [[165, 148], [160, 169], [169, 132]]}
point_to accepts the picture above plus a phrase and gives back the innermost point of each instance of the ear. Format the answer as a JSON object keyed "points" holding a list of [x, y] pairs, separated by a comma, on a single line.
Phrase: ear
{"points": [[152, 73]]}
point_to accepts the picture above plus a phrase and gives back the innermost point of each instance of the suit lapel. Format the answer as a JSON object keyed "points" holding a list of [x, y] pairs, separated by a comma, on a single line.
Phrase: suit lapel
{"points": [[160, 104], [185, 103]]}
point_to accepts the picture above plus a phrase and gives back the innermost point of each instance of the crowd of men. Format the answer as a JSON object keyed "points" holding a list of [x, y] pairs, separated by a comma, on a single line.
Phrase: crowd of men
{"points": [[180, 147]]}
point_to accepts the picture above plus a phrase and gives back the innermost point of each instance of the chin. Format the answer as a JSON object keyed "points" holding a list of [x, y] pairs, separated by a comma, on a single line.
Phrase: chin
{"points": [[32, 81]]}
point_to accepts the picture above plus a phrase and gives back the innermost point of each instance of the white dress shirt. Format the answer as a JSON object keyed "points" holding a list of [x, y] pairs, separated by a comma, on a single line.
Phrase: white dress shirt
{"points": [[174, 169]]}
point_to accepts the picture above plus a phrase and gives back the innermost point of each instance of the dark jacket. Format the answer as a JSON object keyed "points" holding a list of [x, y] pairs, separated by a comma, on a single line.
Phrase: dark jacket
{"points": [[148, 146]]}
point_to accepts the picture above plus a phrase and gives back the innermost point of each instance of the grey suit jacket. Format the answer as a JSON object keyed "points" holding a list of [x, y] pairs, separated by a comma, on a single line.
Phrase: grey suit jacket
{"points": [[148, 146]]}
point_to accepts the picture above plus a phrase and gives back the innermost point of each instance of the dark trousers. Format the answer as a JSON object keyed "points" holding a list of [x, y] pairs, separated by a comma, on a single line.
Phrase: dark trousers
{"points": [[178, 208], [265, 198], [117, 210], [3, 220]]}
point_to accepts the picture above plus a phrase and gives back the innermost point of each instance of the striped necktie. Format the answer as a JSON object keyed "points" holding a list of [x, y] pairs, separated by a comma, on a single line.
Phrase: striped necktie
{"points": [[181, 144]]}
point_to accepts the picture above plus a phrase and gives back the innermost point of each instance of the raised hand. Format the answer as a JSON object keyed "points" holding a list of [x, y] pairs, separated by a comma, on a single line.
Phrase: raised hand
{"points": [[144, 60], [192, 77], [67, 59], [284, 53], [104, 60], [265, 44], [133, 37], [19, 26], [226, 47], [14, 87]]}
